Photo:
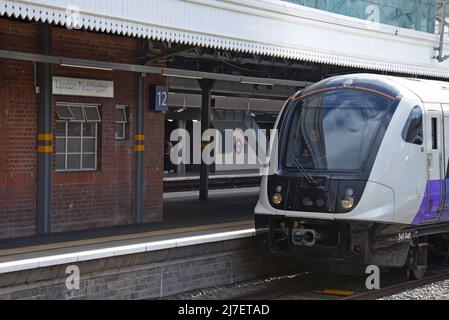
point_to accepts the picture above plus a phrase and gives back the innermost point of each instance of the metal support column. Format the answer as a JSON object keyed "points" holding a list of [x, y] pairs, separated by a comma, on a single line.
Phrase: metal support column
{"points": [[139, 150], [139, 139], [206, 87], [45, 132], [441, 57]]}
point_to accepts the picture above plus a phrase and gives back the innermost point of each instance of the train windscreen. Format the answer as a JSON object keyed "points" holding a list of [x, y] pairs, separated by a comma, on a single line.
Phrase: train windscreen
{"points": [[333, 130]]}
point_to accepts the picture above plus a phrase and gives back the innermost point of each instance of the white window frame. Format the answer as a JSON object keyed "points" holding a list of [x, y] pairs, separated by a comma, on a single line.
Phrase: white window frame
{"points": [[72, 118], [91, 107], [82, 111], [122, 123], [81, 137]]}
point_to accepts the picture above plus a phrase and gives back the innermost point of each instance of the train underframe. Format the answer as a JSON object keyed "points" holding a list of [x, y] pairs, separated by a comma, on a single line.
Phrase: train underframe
{"points": [[354, 243]]}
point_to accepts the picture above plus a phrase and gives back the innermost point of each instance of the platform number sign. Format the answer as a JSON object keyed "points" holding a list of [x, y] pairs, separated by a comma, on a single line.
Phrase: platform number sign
{"points": [[158, 98]]}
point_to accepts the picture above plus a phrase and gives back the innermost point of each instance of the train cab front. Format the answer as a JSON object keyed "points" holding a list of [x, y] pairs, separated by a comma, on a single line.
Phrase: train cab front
{"points": [[328, 139]]}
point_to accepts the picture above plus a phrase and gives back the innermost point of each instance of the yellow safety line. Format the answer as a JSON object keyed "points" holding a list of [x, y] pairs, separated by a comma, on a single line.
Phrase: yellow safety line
{"points": [[45, 137], [45, 149], [139, 137], [337, 292], [130, 236], [139, 147]]}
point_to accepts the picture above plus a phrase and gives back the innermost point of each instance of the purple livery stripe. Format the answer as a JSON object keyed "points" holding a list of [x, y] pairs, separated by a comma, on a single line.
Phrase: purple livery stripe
{"points": [[429, 210]]}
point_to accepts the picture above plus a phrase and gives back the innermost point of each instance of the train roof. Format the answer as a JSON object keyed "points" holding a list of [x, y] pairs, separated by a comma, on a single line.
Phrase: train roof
{"points": [[429, 91]]}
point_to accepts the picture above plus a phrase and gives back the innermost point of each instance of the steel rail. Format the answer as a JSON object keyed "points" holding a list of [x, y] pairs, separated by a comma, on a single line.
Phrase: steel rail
{"points": [[304, 287], [267, 293], [397, 288]]}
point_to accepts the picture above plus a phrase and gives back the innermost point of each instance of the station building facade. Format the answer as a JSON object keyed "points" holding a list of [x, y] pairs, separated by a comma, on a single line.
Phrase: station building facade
{"points": [[92, 141]]}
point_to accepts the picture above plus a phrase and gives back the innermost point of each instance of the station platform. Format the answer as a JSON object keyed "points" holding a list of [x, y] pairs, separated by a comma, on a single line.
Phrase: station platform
{"points": [[217, 180], [228, 214]]}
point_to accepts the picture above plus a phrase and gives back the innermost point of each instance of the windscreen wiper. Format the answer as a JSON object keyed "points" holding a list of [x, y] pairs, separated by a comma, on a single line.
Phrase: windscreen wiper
{"points": [[301, 169]]}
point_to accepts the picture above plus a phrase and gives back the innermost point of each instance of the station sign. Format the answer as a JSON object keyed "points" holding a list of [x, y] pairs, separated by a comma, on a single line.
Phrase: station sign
{"points": [[158, 98], [83, 87]]}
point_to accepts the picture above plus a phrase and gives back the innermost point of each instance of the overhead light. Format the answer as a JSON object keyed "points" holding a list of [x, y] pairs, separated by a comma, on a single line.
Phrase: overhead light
{"points": [[181, 76], [256, 83], [170, 120], [259, 99], [249, 112], [85, 67], [183, 108], [195, 121]]}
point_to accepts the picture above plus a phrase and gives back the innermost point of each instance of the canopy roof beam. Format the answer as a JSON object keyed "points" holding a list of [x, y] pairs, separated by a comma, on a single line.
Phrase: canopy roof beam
{"points": [[168, 72]]}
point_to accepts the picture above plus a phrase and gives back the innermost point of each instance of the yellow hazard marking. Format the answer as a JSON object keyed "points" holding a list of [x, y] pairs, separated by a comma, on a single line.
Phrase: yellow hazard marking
{"points": [[139, 148], [139, 137], [336, 292], [45, 149], [45, 137]]}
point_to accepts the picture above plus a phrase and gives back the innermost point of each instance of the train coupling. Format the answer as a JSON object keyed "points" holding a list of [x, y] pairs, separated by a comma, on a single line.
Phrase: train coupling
{"points": [[305, 237]]}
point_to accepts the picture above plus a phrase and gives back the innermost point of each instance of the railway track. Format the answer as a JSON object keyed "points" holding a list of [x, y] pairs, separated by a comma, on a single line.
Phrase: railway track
{"points": [[398, 288], [311, 289]]}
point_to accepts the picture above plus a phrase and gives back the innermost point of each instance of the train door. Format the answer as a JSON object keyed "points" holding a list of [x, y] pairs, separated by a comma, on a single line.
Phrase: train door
{"points": [[445, 213], [435, 168]]}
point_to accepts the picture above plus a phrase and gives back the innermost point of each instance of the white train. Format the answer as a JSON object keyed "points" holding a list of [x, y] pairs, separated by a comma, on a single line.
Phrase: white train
{"points": [[360, 174]]}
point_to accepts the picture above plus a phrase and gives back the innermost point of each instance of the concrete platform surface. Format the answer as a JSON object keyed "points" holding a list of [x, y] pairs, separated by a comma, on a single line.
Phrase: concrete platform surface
{"points": [[226, 215]]}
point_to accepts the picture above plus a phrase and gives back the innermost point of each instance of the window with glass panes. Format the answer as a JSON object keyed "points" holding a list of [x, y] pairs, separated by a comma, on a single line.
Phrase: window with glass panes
{"points": [[77, 137], [121, 121], [411, 14]]}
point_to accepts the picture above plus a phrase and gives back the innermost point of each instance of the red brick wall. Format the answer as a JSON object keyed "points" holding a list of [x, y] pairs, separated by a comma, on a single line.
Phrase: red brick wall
{"points": [[80, 200], [18, 118]]}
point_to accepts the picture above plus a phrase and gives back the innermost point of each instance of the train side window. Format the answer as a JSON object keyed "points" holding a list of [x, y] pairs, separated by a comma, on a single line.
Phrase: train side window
{"points": [[434, 134], [413, 130]]}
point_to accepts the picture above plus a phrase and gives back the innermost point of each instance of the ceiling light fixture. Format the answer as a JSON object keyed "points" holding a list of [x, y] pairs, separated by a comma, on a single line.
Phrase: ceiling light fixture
{"points": [[256, 83], [85, 67], [172, 75]]}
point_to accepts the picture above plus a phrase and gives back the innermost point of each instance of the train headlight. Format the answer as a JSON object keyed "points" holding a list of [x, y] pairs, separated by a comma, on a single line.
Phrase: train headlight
{"points": [[349, 195], [347, 202], [277, 198]]}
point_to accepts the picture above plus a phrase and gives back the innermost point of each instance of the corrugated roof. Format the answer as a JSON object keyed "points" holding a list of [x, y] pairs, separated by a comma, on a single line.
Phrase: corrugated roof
{"points": [[267, 27]]}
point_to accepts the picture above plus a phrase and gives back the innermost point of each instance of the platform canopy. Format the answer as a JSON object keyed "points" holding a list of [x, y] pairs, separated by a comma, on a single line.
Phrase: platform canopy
{"points": [[265, 27]]}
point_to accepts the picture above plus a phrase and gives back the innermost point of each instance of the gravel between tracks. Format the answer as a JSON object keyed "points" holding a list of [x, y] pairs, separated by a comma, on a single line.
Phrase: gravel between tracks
{"points": [[433, 291], [229, 291]]}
